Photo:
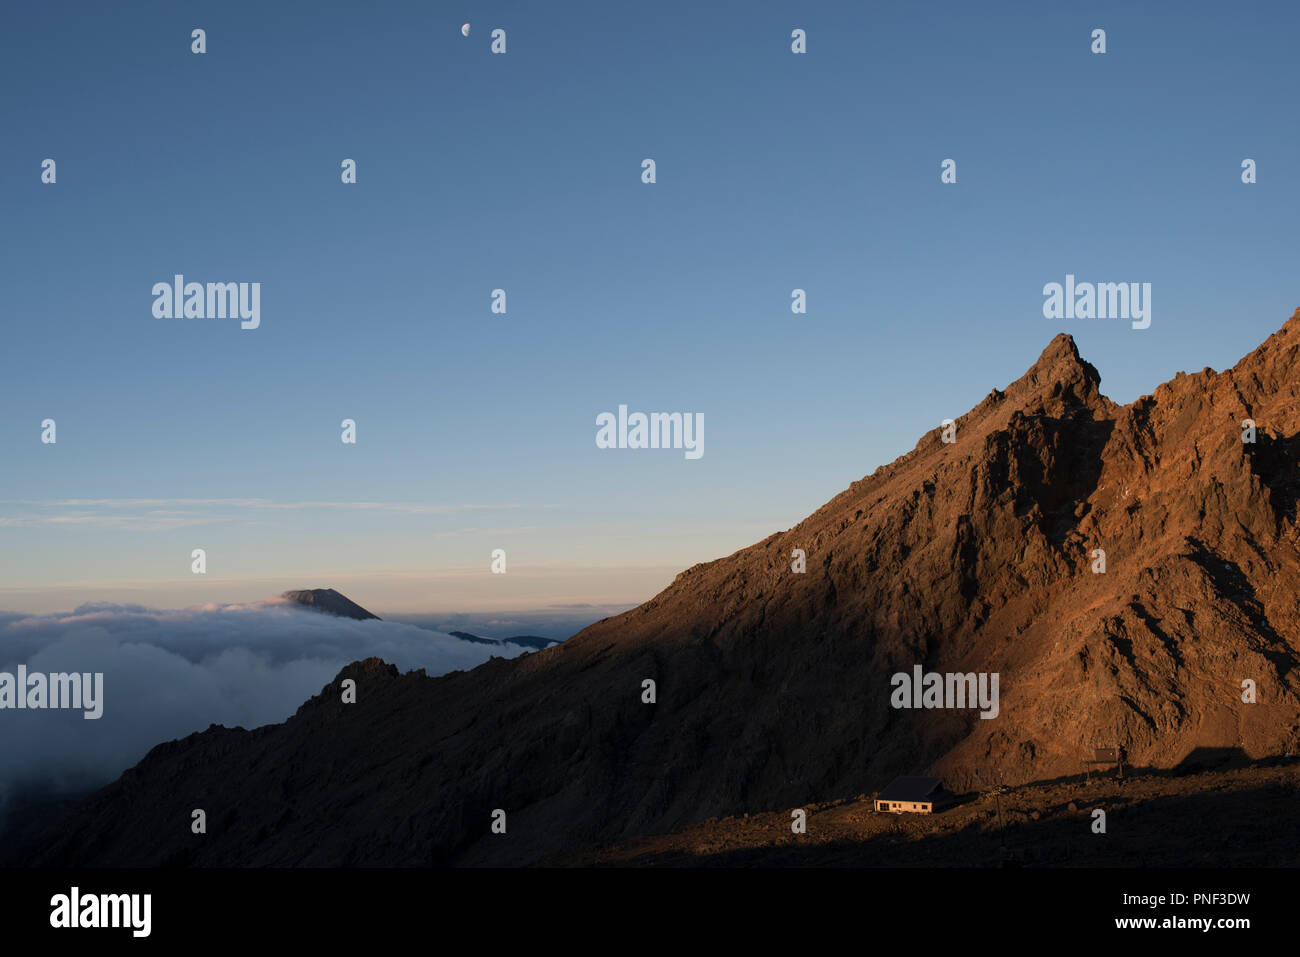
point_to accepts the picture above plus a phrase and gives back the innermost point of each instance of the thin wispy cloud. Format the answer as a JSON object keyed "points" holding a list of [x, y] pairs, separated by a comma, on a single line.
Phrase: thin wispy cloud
{"points": [[413, 508], [153, 523], [165, 514]]}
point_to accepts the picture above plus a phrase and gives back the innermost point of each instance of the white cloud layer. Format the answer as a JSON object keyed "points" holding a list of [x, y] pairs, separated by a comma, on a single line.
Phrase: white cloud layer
{"points": [[170, 673]]}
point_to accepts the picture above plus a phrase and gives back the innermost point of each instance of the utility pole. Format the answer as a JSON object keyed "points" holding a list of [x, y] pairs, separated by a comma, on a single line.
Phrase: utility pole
{"points": [[996, 791]]}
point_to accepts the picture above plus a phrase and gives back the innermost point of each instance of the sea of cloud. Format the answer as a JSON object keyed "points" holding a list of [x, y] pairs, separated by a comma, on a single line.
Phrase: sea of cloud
{"points": [[170, 673]]}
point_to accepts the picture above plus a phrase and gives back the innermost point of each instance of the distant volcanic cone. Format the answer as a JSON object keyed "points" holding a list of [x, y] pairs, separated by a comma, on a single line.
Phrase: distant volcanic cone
{"points": [[330, 602]]}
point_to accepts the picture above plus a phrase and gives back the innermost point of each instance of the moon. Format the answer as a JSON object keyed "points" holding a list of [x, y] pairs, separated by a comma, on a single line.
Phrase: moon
{"points": [[464, 29]]}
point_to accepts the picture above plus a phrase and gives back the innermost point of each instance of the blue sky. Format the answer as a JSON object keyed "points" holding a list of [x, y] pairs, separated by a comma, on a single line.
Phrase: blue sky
{"points": [[522, 171]]}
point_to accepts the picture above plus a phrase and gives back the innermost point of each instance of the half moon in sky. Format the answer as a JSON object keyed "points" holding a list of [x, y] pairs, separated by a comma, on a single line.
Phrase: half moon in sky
{"points": [[464, 29]]}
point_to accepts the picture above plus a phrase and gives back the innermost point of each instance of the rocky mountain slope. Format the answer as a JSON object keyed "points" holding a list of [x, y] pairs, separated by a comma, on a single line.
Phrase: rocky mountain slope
{"points": [[773, 687]]}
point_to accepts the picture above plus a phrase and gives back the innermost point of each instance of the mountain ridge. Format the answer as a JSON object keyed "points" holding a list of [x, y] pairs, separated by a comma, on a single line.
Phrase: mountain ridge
{"points": [[773, 685], [526, 641]]}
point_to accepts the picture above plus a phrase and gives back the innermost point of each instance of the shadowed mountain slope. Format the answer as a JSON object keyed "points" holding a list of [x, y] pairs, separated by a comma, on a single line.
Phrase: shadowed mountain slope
{"points": [[773, 687]]}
